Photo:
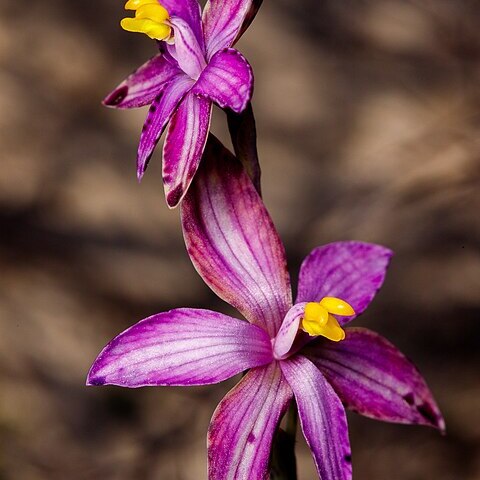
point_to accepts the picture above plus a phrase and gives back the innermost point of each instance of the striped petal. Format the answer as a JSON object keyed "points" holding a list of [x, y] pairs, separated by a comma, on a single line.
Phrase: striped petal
{"points": [[250, 17], [158, 116], [184, 144], [227, 80], [181, 347], [373, 378], [232, 241], [222, 22], [143, 85], [186, 49], [322, 418], [189, 11], [352, 271], [242, 428], [288, 331]]}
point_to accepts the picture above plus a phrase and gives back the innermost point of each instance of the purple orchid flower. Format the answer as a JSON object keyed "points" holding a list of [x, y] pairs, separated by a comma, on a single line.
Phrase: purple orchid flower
{"points": [[195, 67], [234, 246]]}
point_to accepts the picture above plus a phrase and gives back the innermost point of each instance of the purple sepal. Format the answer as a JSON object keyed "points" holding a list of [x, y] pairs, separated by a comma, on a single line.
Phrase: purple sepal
{"points": [[184, 145], [322, 418], [158, 116], [250, 17], [144, 85], [222, 22], [373, 378], [232, 241], [244, 423], [288, 331], [181, 347], [352, 271], [227, 80], [191, 12], [186, 49]]}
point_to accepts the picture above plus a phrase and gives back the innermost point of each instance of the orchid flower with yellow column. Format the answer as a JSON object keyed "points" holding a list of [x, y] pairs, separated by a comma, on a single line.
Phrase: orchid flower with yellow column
{"points": [[195, 68], [298, 350]]}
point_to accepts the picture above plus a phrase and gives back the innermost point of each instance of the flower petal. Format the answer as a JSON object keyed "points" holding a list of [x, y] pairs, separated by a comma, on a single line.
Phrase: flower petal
{"points": [[158, 116], [288, 331], [242, 428], [143, 85], [352, 271], [190, 11], [186, 49], [250, 17], [232, 241], [184, 144], [227, 80], [181, 347], [322, 417], [222, 22], [373, 378]]}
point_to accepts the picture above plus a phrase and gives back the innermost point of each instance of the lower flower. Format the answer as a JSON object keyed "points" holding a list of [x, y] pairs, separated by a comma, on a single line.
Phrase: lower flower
{"points": [[292, 350]]}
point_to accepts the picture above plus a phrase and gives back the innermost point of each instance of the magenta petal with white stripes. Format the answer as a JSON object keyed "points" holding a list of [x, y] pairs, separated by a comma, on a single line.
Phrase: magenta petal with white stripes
{"points": [[373, 378], [181, 347], [227, 80], [322, 418], [158, 116], [184, 145], [244, 423], [288, 331], [232, 241], [186, 50], [352, 271], [249, 17], [222, 22], [190, 11], [144, 85]]}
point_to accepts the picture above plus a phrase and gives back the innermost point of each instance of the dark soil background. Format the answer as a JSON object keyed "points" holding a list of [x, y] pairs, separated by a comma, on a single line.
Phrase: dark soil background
{"points": [[368, 114]]}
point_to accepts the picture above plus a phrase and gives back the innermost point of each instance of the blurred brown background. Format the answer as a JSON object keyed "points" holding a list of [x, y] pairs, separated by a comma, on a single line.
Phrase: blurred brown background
{"points": [[368, 114]]}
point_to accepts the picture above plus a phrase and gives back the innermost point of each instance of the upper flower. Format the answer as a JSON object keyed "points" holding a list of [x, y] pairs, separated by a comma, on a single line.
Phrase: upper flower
{"points": [[293, 349], [194, 68]]}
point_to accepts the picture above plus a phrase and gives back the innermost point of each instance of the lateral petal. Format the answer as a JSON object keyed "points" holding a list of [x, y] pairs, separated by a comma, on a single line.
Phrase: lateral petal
{"points": [[222, 22], [142, 86], [227, 80], [186, 50], [244, 423], [232, 241], [190, 11], [373, 378], [158, 116], [250, 17], [181, 347], [322, 418], [288, 330], [351, 271], [184, 145]]}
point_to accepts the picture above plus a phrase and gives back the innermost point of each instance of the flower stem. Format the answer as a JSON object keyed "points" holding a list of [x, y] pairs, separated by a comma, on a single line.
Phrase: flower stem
{"points": [[284, 464], [243, 131], [292, 420]]}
